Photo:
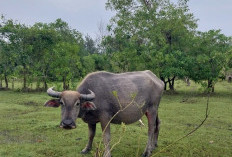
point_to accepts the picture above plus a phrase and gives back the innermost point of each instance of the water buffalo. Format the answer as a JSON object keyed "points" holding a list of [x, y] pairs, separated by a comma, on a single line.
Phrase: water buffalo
{"points": [[107, 97]]}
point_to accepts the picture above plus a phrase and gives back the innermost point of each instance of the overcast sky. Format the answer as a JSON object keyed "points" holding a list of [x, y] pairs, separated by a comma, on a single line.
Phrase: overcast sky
{"points": [[85, 15]]}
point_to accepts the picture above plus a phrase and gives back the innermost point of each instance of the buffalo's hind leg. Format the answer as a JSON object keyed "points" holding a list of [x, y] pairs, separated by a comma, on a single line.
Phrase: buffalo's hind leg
{"points": [[92, 131], [152, 131], [157, 128]]}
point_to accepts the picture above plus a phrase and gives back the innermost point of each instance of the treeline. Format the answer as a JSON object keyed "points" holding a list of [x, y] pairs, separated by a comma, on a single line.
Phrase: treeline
{"points": [[42, 53], [157, 35]]}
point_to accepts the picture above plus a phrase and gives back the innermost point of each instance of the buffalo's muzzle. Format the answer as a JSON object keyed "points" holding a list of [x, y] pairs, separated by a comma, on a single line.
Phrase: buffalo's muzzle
{"points": [[68, 124]]}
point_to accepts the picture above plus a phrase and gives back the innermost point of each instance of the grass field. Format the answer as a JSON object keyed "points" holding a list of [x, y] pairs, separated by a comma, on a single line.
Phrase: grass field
{"points": [[27, 129]]}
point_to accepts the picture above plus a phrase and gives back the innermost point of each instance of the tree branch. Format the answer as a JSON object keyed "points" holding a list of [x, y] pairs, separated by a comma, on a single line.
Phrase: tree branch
{"points": [[147, 4]]}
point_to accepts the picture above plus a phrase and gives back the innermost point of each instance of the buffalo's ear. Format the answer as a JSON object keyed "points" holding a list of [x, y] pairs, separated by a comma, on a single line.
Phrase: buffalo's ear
{"points": [[52, 103], [88, 105]]}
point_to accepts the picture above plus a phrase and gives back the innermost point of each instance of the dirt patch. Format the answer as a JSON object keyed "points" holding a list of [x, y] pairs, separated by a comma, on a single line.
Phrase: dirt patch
{"points": [[4, 89], [30, 103], [171, 92], [189, 100]]}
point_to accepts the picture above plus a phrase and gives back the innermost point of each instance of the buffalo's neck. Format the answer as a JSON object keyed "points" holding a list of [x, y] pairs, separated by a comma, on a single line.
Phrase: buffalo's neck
{"points": [[89, 116]]}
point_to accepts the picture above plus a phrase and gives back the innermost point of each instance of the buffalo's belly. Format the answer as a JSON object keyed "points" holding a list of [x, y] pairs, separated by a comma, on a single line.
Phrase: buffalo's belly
{"points": [[128, 115]]}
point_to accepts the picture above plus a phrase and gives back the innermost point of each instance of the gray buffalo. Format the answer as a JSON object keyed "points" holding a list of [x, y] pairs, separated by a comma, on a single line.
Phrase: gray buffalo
{"points": [[112, 98]]}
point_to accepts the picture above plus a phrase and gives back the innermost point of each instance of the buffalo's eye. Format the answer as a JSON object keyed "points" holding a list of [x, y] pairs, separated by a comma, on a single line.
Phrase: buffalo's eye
{"points": [[77, 102], [61, 102]]}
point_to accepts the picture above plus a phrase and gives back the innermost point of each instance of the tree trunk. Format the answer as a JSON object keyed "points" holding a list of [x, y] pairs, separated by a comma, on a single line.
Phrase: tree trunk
{"points": [[165, 85], [6, 80], [229, 79], [24, 80], [0, 82], [165, 82], [187, 81], [212, 89], [45, 80], [210, 85], [171, 83], [13, 80], [45, 85], [65, 86], [24, 77]]}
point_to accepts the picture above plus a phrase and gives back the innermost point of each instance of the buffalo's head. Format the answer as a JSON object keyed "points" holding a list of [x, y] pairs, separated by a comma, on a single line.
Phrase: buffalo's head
{"points": [[71, 102]]}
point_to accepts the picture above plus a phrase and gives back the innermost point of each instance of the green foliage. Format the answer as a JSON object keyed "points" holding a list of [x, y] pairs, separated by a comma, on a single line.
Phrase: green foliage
{"points": [[209, 56], [42, 52], [88, 64], [127, 60], [150, 35], [161, 36], [229, 58], [66, 62], [90, 46]]}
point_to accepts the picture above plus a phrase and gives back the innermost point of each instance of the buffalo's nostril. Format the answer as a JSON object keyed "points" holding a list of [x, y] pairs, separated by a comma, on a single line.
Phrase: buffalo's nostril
{"points": [[67, 122]]}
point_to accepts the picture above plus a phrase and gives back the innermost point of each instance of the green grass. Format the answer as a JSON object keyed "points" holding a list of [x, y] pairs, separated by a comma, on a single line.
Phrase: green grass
{"points": [[27, 129]]}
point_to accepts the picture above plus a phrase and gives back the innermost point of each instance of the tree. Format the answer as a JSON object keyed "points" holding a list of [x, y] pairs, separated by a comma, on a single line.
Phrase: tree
{"points": [[159, 32], [88, 63], [8, 55], [43, 39], [229, 61], [66, 62], [90, 45], [24, 49], [36, 52], [209, 57], [66, 54], [7, 61]]}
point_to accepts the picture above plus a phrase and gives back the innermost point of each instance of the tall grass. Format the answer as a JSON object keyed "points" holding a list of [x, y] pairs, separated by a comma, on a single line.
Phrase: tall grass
{"points": [[28, 129]]}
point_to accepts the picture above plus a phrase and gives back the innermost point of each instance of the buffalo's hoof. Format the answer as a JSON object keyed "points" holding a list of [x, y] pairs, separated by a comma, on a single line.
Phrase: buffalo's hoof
{"points": [[146, 154], [85, 151]]}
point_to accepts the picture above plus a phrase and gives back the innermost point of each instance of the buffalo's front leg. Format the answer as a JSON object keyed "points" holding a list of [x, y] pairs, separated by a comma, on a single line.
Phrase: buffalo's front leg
{"points": [[106, 137], [92, 131]]}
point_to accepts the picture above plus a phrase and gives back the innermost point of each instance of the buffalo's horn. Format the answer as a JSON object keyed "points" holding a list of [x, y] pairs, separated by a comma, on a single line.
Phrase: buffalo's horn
{"points": [[53, 93], [88, 97]]}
